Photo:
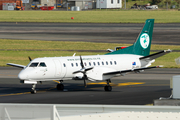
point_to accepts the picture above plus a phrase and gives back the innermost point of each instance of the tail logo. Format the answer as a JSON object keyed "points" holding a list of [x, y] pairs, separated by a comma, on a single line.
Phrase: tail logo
{"points": [[144, 40]]}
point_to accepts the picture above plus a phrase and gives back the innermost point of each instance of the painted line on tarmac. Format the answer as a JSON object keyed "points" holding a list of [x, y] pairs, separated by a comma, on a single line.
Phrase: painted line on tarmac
{"points": [[15, 94], [157, 85], [23, 93], [119, 84], [100, 83], [56, 81]]}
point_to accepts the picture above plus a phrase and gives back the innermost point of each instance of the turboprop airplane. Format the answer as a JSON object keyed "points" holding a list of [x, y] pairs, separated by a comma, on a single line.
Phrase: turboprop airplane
{"points": [[134, 58]]}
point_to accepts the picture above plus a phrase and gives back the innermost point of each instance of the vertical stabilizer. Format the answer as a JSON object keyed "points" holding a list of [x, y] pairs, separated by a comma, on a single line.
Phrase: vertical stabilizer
{"points": [[142, 44]]}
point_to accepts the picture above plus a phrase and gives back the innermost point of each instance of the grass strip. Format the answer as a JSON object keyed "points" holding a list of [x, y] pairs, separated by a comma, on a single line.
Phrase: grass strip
{"points": [[121, 16], [19, 55], [6, 44]]}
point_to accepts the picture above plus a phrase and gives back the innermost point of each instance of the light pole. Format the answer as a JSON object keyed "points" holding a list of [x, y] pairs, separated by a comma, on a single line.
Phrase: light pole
{"points": [[125, 4], [82, 4]]}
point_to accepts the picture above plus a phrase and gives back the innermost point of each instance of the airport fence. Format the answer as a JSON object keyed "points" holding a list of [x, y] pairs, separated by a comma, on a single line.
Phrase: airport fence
{"points": [[87, 112]]}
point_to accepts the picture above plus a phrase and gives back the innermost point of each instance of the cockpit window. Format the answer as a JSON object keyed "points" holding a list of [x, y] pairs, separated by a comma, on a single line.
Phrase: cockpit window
{"points": [[35, 64], [42, 64]]}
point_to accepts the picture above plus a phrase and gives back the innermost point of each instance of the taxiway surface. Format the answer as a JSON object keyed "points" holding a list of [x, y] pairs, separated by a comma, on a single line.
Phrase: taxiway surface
{"points": [[167, 34], [131, 89]]}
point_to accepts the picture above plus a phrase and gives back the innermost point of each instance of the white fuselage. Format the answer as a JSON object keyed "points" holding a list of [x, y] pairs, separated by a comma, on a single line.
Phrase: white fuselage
{"points": [[62, 68]]}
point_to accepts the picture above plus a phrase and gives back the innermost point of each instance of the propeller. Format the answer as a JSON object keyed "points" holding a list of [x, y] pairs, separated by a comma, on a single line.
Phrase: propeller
{"points": [[84, 73], [83, 70], [29, 58]]}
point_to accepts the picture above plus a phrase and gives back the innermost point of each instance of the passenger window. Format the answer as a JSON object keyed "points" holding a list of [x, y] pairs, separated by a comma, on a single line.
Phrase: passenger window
{"points": [[72, 64], [94, 63], [89, 64], [102, 63], [76, 64], [115, 62], [64, 65], [110, 62], [106, 63], [98, 63], [85, 64], [34, 64], [42, 64]]}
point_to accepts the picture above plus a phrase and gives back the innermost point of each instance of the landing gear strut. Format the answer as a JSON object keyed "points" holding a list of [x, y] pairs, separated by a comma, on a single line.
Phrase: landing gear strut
{"points": [[33, 90], [60, 86], [108, 87]]}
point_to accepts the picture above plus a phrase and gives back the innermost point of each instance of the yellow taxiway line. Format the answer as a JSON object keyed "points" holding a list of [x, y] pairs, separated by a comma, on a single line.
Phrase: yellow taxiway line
{"points": [[119, 84], [100, 83]]}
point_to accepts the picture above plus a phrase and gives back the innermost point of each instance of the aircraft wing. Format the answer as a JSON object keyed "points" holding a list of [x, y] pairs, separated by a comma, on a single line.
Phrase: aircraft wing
{"points": [[155, 55], [131, 70], [16, 65]]}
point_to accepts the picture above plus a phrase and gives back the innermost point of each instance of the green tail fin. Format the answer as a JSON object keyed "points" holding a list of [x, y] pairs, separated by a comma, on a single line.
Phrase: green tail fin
{"points": [[142, 44]]}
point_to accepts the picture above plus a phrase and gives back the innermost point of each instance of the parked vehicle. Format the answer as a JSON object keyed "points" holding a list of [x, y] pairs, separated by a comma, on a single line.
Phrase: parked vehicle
{"points": [[152, 7], [135, 6]]}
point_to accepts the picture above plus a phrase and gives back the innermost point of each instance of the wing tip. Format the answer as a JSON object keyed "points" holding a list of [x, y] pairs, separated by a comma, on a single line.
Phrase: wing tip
{"points": [[168, 50], [160, 66]]}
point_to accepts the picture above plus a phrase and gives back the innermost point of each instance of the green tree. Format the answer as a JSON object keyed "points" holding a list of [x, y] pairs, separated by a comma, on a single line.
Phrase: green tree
{"points": [[178, 1], [167, 3], [155, 2]]}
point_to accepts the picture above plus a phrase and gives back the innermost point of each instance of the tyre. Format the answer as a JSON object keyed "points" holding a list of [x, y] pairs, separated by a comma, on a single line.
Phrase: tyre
{"points": [[33, 91], [107, 88], [60, 86]]}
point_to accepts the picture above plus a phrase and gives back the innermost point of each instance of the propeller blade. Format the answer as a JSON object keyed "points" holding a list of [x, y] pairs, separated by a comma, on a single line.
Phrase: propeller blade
{"points": [[83, 70], [29, 58], [82, 65], [77, 72], [87, 69], [85, 78], [85, 83]]}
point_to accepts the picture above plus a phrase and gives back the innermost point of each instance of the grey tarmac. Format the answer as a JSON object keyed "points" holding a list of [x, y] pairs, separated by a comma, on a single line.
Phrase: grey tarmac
{"points": [[131, 89], [166, 34]]}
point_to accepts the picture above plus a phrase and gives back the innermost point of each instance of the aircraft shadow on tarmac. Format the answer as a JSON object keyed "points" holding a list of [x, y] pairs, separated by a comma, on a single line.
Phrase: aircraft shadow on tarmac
{"points": [[23, 88]]}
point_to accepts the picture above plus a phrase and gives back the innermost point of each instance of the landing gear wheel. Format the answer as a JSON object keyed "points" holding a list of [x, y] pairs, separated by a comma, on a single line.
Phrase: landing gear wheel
{"points": [[33, 91], [60, 86], [107, 88]]}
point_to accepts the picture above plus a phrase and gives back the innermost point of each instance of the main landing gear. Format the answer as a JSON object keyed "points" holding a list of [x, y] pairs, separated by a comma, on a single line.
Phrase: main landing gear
{"points": [[33, 90], [108, 87], [60, 86]]}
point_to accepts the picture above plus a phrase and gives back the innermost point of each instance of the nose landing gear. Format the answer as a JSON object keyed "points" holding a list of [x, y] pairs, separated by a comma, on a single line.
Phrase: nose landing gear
{"points": [[108, 87], [33, 90]]}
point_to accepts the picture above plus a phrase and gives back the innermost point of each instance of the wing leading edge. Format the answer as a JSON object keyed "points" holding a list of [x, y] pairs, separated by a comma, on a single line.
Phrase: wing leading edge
{"points": [[131, 70], [155, 55], [16, 65]]}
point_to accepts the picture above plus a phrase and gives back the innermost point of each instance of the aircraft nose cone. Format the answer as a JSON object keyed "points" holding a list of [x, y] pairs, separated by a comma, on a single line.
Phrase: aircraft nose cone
{"points": [[22, 76]]}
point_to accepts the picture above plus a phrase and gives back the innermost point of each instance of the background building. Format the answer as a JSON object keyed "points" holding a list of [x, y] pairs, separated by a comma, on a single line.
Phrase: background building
{"points": [[83, 4], [108, 4], [61, 4]]}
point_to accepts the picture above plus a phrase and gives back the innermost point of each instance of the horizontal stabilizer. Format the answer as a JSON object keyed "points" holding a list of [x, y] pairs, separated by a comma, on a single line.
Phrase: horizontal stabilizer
{"points": [[16, 65], [131, 70], [155, 55]]}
